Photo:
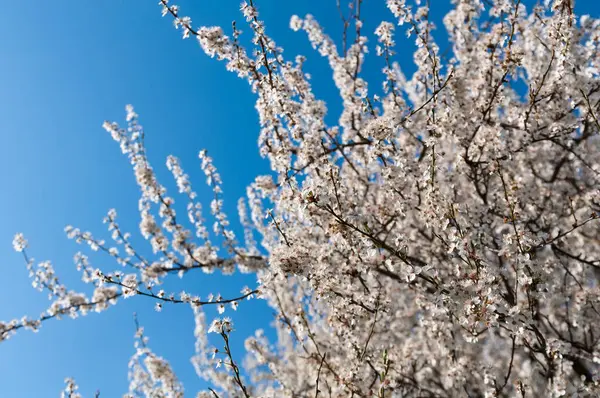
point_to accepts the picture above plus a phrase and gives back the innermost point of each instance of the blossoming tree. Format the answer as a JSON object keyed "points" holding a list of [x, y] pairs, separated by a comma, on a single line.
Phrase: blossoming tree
{"points": [[441, 240]]}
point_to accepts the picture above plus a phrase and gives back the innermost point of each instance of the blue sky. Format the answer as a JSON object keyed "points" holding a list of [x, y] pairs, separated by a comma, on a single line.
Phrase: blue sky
{"points": [[65, 67]]}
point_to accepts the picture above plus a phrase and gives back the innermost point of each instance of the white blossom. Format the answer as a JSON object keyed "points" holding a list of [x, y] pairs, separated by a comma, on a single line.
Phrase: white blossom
{"points": [[19, 242]]}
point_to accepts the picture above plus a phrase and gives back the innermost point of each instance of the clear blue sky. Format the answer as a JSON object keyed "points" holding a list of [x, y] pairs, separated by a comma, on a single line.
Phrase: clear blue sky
{"points": [[65, 67]]}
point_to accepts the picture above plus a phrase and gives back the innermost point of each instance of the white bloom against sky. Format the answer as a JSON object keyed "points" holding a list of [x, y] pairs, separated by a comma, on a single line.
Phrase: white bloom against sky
{"points": [[423, 219]]}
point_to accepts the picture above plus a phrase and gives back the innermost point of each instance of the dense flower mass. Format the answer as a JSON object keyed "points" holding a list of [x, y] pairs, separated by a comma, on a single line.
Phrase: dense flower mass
{"points": [[441, 240]]}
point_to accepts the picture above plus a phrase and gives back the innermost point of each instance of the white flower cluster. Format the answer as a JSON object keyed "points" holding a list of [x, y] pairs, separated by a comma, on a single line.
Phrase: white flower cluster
{"points": [[151, 375], [19, 242], [70, 390]]}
